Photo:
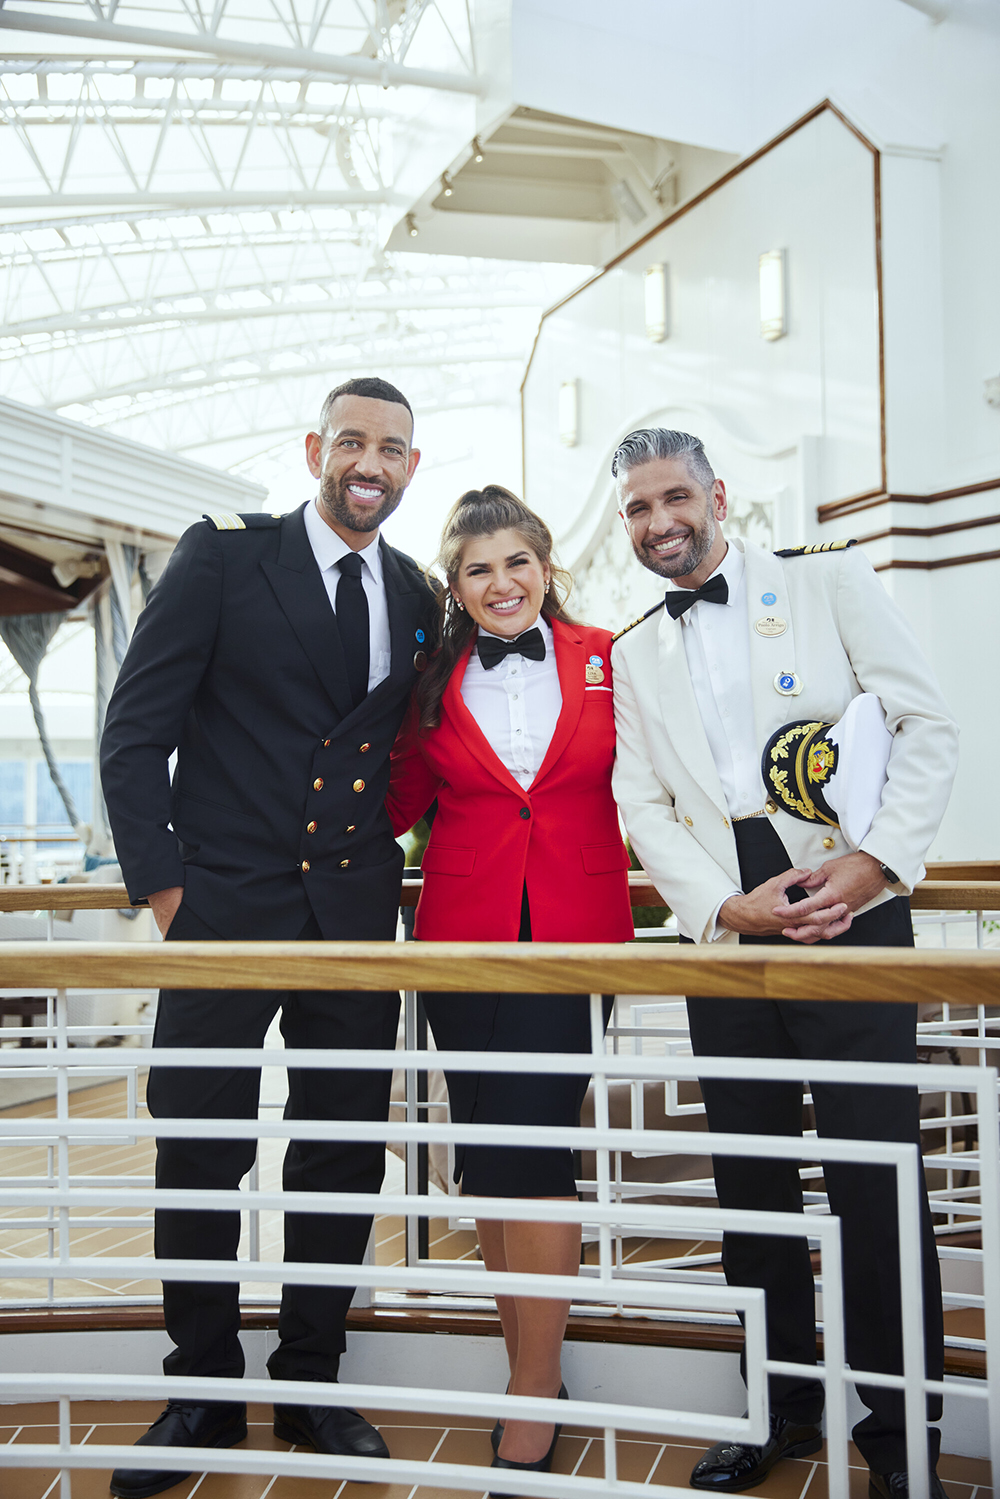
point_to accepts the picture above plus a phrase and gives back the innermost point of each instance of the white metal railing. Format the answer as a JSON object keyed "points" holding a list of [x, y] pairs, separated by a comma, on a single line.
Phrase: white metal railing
{"points": [[607, 1287], [61, 1202]]}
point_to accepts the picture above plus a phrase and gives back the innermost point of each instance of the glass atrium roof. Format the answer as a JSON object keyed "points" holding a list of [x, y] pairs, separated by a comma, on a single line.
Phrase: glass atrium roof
{"points": [[195, 199]]}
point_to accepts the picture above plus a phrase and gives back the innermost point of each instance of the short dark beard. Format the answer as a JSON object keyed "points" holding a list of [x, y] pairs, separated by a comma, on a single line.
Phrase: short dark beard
{"points": [[683, 563], [334, 501]]}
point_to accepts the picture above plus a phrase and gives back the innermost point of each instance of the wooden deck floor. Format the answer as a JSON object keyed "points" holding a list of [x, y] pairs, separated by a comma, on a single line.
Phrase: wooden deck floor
{"points": [[640, 1459]]}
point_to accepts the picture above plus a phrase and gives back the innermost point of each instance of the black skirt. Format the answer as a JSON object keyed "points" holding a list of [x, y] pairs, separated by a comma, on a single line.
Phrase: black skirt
{"points": [[514, 1022]]}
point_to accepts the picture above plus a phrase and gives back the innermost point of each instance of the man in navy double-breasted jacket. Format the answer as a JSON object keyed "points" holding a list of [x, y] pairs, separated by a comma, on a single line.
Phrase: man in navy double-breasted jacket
{"points": [[245, 660]]}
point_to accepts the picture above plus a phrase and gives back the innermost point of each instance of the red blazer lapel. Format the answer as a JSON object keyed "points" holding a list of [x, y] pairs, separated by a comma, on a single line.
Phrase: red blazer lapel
{"points": [[571, 664], [468, 730]]}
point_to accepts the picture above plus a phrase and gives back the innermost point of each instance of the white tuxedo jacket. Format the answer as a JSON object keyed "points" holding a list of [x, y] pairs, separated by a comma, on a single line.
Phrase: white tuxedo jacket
{"points": [[845, 636]]}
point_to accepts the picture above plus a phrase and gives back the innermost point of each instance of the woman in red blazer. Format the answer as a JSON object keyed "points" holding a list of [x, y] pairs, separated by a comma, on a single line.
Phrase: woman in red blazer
{"points": [[512, 733]]}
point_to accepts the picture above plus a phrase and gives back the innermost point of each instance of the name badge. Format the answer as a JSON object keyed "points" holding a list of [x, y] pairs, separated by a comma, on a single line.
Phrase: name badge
{"points": [[771, 624]]}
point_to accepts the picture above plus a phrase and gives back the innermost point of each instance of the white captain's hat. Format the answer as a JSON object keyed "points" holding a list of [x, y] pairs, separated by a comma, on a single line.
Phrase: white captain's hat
{"points": [[832, 773]]}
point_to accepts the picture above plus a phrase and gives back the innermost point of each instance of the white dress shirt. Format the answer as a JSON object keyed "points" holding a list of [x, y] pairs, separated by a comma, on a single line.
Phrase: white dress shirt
{"points": [[717, 646], [517, 705], [328, 548]]}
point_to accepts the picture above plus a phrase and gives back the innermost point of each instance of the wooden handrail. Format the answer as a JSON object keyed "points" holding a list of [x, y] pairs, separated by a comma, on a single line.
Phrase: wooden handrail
{"points": [[899, 975], [967, 892], [63, 898], [964, 869]]}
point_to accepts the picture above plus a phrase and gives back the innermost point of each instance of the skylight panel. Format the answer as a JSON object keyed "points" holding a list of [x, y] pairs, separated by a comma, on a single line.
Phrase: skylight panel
{"points": [[65, 86], [43, 239], [19, 86], [114, 87]]}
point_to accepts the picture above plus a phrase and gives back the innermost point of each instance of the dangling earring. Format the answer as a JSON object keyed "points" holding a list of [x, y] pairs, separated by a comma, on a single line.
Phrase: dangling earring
{"points": [[548, 586], [458, 603]]}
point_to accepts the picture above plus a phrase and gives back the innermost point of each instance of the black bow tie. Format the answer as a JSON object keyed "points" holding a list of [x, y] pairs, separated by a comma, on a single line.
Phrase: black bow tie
{"points": [[492, 650], [715, 591]]}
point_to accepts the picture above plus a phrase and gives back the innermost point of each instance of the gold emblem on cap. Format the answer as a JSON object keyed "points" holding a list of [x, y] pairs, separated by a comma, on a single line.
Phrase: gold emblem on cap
{"points": [[594, 674], [770, 624]]}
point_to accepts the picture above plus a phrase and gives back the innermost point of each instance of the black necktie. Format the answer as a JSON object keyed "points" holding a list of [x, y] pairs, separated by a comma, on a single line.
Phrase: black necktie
{"points": [[352, 622], [715, 591], [493, 650]]}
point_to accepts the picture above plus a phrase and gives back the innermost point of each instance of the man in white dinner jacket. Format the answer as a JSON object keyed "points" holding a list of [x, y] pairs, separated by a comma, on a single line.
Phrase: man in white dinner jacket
{"points": [[745, 642]]}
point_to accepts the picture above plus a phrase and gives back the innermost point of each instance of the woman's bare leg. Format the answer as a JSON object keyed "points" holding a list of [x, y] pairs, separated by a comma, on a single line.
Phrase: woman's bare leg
{"points": [[491, 1247], [533, 1328]]}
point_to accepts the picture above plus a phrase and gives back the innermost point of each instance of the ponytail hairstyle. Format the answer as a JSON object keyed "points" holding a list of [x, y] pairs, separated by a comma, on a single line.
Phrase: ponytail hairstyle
{"points": [[481, 512]]}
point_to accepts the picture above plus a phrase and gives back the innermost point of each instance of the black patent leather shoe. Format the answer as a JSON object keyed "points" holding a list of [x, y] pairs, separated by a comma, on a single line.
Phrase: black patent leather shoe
{"points": [[542, 1464], [334, 1429], [729, 1467], [897, 1486], [496, 1435], [181, 1425]]}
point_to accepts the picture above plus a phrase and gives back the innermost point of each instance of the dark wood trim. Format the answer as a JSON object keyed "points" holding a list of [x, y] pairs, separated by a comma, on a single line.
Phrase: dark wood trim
{"points": [[963, 869], [879, 304], [839, 508], [905, 565], [949, 530], [699, 198], [623, 1331]]}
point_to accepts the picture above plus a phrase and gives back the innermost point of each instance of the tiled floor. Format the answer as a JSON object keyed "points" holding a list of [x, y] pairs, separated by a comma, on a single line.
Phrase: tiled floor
{"points": [[640, 1459]]}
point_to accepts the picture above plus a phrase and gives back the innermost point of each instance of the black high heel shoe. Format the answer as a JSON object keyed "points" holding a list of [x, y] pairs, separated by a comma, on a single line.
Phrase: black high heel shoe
{"points": [[542, 1464], [496, 1435]]}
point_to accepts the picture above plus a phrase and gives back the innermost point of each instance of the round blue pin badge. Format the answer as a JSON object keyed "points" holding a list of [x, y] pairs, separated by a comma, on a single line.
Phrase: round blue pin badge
{"points": [[597, 660], [421, 636], [769, 598]]}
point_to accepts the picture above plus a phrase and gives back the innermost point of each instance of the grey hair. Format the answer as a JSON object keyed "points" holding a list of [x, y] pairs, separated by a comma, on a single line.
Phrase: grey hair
{"points": [[649, 443]]}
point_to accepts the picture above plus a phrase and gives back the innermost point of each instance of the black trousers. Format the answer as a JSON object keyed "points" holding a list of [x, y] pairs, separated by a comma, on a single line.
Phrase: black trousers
{"points": [[862, 1196], [203, 1318], [514, 1022]]}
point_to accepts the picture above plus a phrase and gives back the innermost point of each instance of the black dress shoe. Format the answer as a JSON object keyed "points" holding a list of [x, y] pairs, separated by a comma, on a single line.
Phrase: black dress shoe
{"points": [[334, 1429], [542, 1464], [897, 1486], [729, 1467], [496, 1435], [181, 1425]]}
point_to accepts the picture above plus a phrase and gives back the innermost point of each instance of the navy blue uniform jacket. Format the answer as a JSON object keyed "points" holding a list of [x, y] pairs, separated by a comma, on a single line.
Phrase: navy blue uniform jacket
{"points": [[236, 663]]}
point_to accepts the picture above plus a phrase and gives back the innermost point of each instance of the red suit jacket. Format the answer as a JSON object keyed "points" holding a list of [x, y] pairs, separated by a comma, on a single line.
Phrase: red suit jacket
{"points": [[490, 838]]}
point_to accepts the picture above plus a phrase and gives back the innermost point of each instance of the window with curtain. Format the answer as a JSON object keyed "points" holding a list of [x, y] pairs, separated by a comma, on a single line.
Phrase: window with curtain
{"points": [[77, 775]]}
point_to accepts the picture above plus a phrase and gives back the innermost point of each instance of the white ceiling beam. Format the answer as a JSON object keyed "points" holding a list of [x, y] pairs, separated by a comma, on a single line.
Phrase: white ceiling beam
{"points": [[171, 395], [597, 152], [96, 320], [201, 202], [141, 215], [322, 64]]}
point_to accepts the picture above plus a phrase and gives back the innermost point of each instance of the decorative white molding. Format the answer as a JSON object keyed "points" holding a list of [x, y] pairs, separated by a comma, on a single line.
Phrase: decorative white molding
{"points": [[103, 484]]}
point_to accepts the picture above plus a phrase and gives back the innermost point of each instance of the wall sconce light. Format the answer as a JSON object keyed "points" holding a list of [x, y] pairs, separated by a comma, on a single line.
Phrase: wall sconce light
{"points": [[569, 413], [411, 225], [477, 148], [654, 289], [447, 186], [772, 295], [626, 202]]}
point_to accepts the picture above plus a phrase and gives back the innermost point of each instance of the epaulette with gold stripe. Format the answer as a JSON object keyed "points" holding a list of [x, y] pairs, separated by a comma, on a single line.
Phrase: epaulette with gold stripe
{"points": [[825, 546], [637, 621], [250, 522]]}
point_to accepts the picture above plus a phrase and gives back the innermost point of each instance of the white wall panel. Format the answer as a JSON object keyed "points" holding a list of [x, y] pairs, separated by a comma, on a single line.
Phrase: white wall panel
{"points": [[753, 402]]}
